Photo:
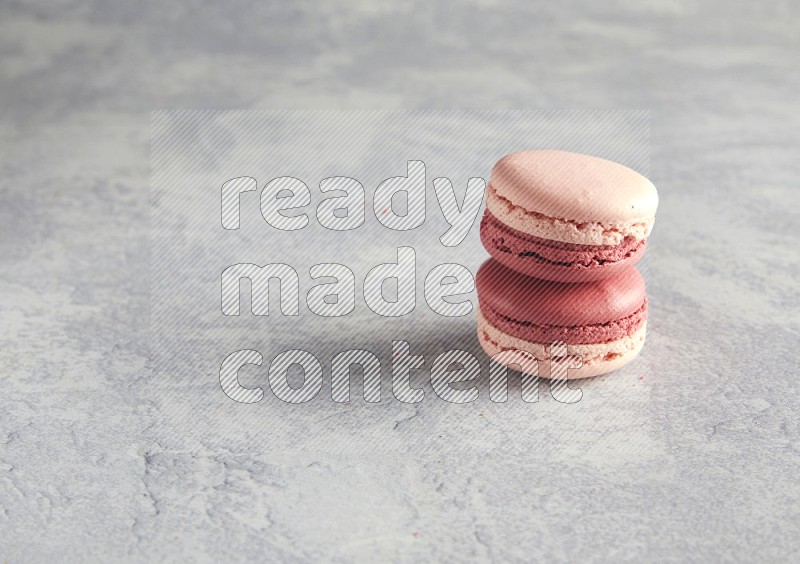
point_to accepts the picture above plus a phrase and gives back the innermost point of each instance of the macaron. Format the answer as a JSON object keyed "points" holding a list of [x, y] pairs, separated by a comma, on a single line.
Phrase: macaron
{"points": [[604, 321], [567, 217]]}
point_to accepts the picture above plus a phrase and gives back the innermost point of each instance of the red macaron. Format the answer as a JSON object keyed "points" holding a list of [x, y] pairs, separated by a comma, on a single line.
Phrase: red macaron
{"points": [[603, 322]]}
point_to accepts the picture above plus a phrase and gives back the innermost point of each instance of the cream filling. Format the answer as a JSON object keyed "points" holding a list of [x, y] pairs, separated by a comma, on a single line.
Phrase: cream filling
{"points": [[565, 230]]}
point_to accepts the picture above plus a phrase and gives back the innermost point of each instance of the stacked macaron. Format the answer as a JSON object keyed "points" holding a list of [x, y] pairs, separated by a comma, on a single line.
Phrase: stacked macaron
{"points": [[565, 231]]}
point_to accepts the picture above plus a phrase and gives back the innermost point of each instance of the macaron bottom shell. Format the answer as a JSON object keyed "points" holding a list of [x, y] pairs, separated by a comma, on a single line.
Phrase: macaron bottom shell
{"points": [[597, 358], [554, 260]]}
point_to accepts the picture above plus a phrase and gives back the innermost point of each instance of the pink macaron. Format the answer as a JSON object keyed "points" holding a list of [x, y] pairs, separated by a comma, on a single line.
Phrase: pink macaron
{"points": [[603, 321], [567, 217]]}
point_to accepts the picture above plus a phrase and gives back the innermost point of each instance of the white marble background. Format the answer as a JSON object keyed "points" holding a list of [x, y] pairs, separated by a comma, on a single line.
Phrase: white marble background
{"points": [[692, 456]]}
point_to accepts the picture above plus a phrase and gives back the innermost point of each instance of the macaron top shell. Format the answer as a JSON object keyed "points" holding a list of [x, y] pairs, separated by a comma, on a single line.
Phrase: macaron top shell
{"points": [[541, 302], [574, 187]]}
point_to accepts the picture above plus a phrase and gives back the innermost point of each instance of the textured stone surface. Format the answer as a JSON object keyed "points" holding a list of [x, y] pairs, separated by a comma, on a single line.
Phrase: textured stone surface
{"points": [[692, 453]]}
